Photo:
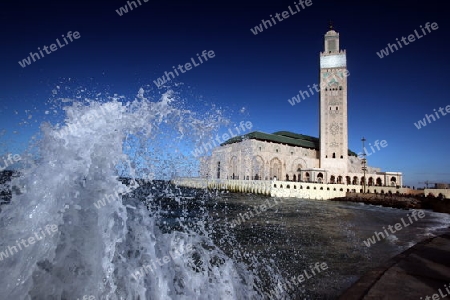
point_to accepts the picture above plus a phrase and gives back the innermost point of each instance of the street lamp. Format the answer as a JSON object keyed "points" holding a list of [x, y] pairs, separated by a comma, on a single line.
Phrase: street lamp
{"points": [[364, 168]]}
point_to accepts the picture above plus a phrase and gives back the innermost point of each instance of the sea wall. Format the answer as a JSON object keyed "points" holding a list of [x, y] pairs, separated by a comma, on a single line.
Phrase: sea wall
{"points": [[276, 188], [390, 200], [436, 192], [261, 187], [399, 201]]}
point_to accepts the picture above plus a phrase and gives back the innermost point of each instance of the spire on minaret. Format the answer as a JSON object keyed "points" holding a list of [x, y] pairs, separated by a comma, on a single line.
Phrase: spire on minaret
{"points": [[330, 24]]}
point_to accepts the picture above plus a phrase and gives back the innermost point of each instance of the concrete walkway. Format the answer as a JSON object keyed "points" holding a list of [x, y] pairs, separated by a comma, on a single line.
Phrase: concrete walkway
{"points": [[421, 272]]}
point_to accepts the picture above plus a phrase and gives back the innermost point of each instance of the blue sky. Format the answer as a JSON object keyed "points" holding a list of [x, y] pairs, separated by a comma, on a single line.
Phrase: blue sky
{"points": [[251, 76]]}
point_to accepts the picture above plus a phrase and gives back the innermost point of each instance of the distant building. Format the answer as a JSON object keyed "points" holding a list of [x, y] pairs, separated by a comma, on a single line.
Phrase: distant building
{"points": [[295, 157], [441, 185]]}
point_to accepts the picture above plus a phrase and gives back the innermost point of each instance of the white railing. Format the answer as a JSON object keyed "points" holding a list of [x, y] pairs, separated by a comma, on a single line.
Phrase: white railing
{"points": [[276, 188]]}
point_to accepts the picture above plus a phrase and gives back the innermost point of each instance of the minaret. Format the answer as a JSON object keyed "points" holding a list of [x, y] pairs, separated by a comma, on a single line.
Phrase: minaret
{"points": [[333, 107]]}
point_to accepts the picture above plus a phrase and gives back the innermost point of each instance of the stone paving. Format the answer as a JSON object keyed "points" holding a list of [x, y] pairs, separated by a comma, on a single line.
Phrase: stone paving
{"points": [[422, 272]]}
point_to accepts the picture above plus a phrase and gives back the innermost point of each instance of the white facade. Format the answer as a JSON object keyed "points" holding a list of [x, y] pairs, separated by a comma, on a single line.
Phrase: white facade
{"points": [[294, 157]]}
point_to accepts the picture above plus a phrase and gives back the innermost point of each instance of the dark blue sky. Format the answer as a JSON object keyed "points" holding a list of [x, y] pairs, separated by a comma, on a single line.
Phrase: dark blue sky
{"points": [[120, 54]]}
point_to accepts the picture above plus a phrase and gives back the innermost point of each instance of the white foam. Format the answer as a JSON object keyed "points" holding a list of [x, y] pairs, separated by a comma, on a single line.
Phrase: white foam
{"points": [[98, 248]]}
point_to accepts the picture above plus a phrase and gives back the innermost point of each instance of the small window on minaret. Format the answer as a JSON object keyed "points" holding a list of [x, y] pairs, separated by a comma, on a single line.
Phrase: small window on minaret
{"points": [[334, 155], [342, 156], [340, 88], [336, 108], [331, 45]]}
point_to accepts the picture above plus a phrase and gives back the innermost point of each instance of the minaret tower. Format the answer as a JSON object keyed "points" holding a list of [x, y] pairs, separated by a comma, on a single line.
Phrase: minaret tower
{"points": [[333, 107]]}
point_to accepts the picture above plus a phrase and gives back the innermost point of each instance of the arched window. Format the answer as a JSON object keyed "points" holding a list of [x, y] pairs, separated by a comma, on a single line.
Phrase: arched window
{"points": [[320, 177], [393, 181], [362, 181], [379, 182]]}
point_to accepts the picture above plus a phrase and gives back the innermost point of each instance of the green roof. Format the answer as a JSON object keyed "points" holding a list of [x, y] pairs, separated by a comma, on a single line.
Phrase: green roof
{"points": [[282, 137]]}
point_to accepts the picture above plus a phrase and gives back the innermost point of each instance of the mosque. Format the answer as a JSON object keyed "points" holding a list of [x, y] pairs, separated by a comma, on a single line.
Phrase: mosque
{"points": [[285, 156]]}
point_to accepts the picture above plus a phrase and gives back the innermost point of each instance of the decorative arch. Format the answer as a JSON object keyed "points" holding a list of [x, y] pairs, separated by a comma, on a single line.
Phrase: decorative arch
{"points": [[332, 179], [393, 181], [348, 179], [275, 168], [320, 177], [257, 168], [296, 167], [379, 182], [233, 167]]}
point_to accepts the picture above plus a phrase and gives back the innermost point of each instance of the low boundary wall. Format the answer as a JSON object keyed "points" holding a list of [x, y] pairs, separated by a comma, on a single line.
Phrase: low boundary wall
{"points": [[306, 190]]}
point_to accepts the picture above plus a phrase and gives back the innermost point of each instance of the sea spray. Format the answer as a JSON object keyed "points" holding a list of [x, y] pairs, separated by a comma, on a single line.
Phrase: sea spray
{"points": [[95, 250]]}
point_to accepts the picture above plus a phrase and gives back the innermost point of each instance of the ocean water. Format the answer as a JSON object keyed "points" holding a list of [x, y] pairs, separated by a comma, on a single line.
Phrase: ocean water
{"points": [[295, 234], [77, 229]]}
